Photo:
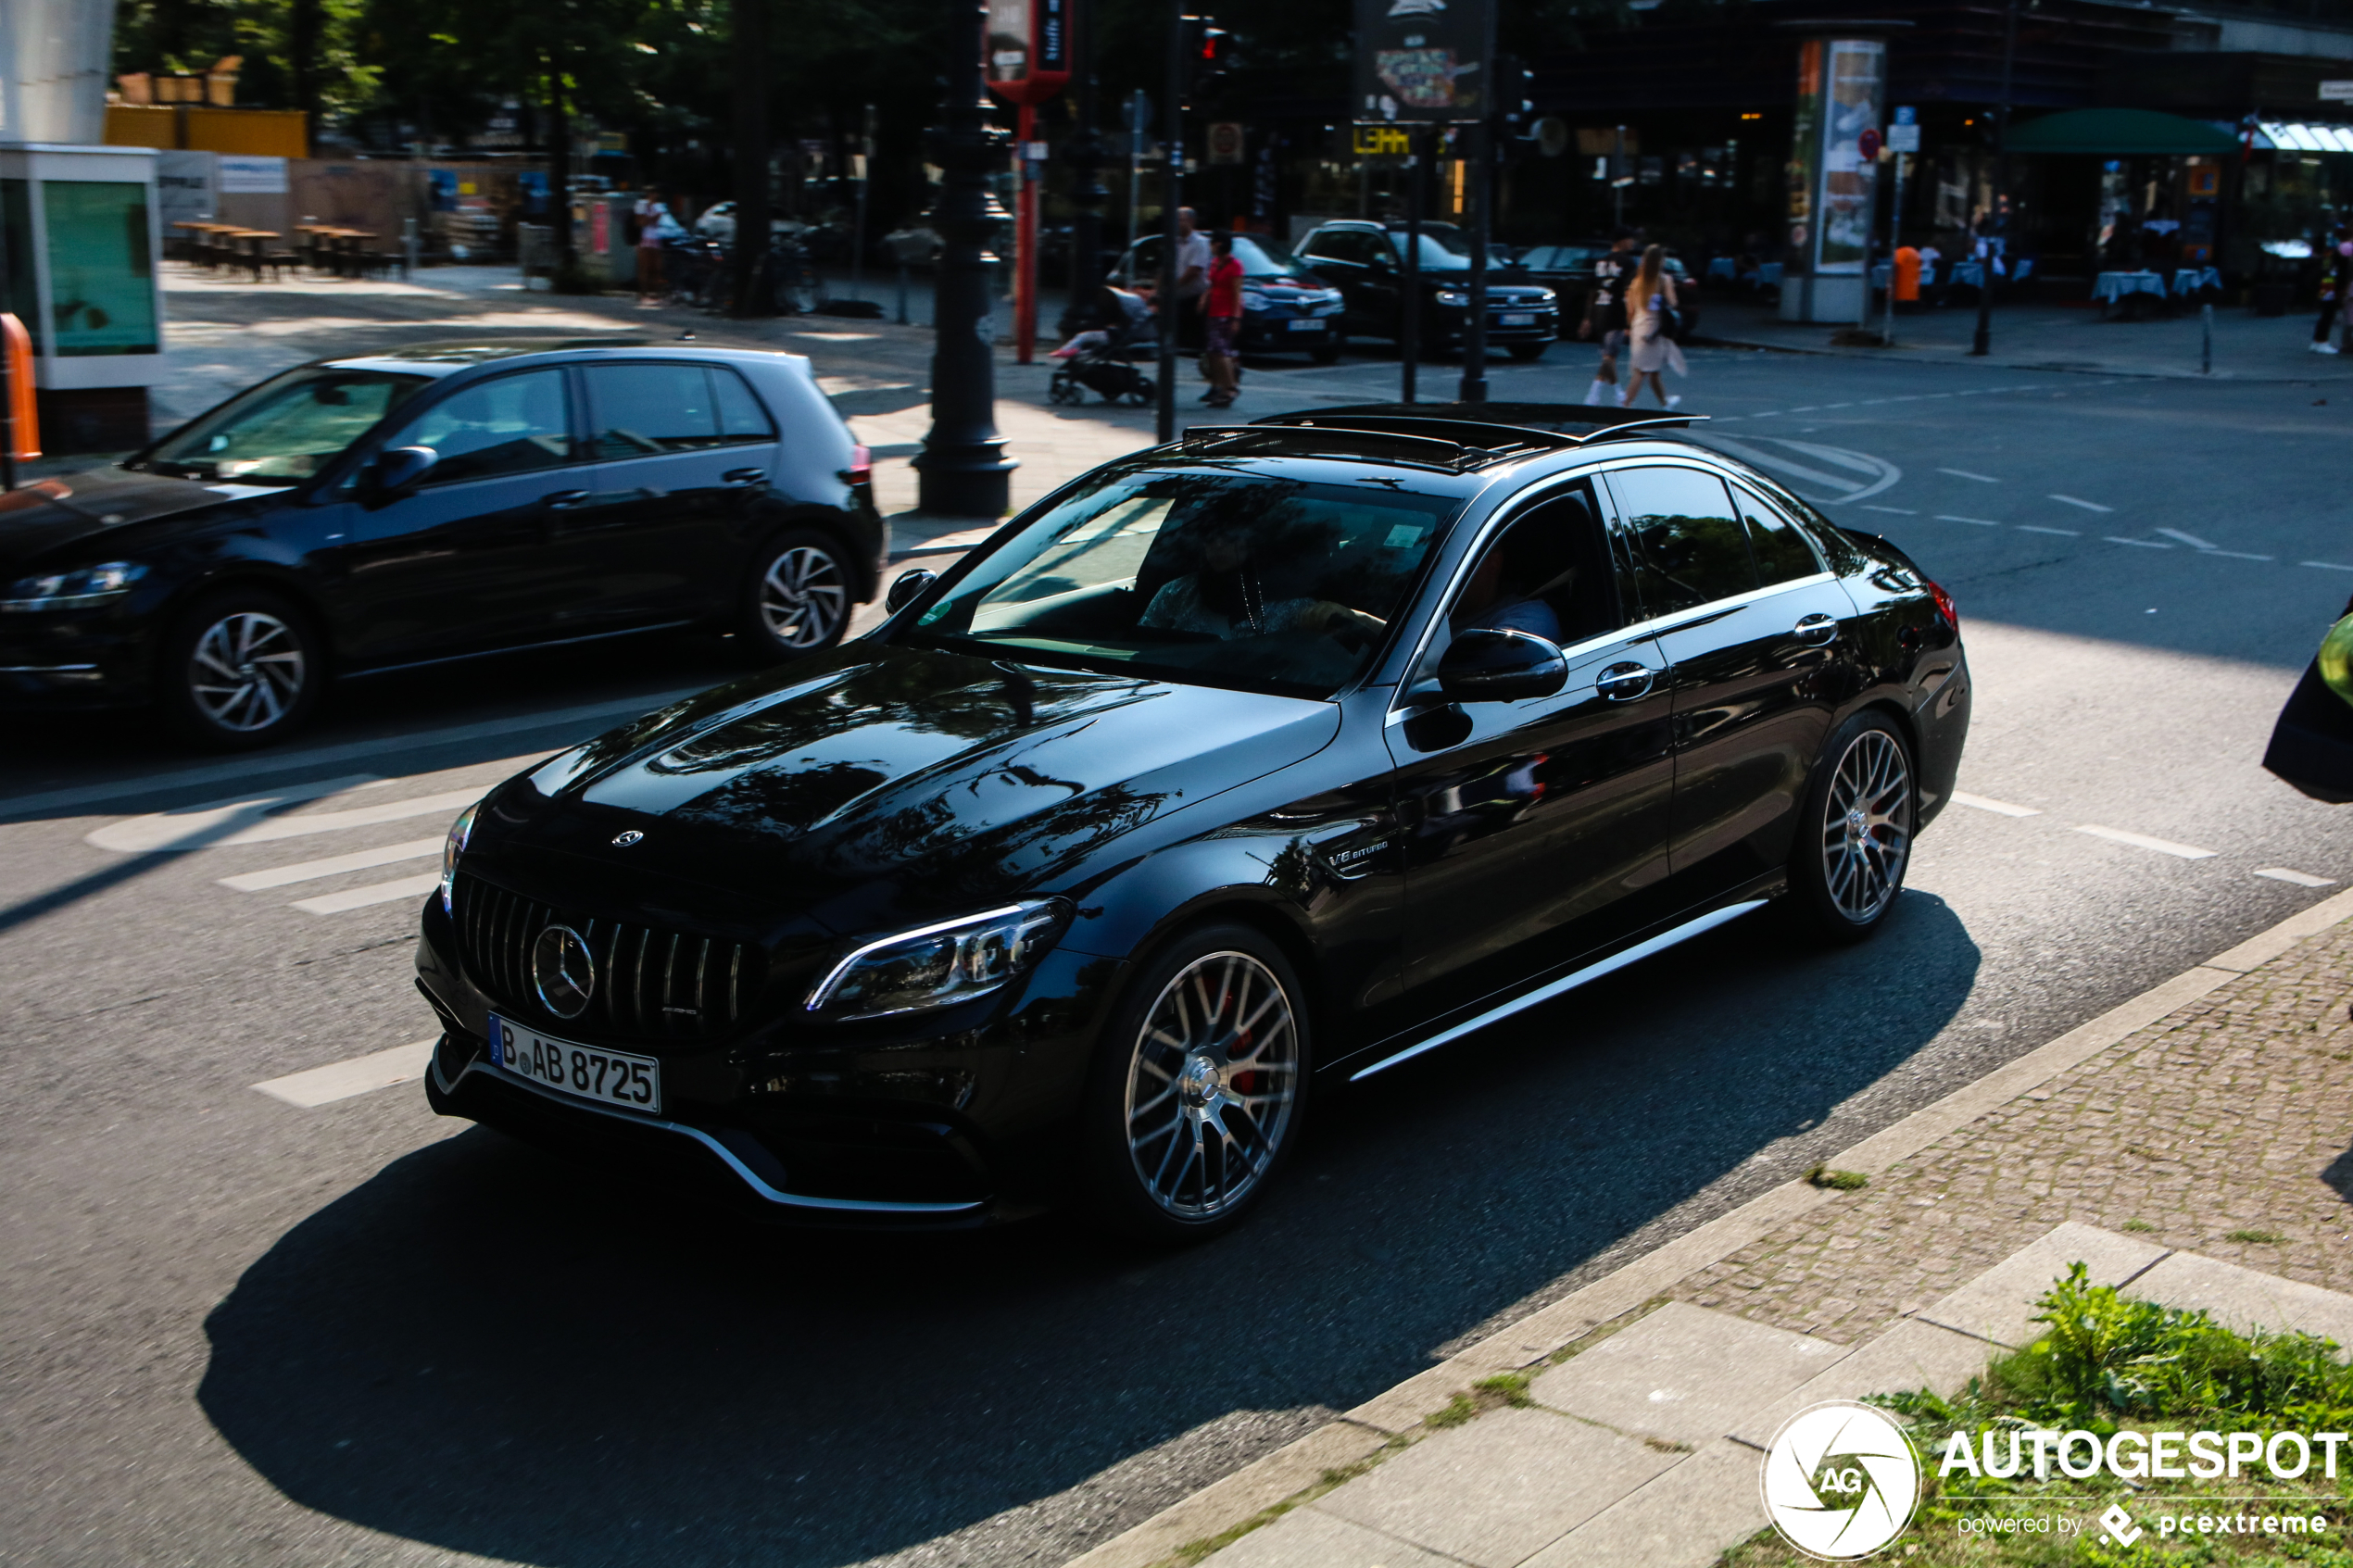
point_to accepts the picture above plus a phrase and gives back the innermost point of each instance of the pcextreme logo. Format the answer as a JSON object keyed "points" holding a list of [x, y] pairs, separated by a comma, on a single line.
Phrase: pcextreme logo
{"points": [[1841, 1480]]}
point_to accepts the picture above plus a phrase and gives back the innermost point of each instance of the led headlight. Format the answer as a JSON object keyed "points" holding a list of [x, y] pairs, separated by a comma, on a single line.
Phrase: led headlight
{"points": [[73, 590], [451, 847], [935, 966], [1452, 296]]}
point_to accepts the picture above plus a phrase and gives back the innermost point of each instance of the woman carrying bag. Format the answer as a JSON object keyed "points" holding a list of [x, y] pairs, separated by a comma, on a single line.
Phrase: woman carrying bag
{"points": [[1650, 308]]}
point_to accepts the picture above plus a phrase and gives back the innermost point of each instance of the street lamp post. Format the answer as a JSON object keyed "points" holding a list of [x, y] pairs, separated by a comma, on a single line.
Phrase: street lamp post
{"points": [[1172, 186], [963, 471], [1083, 153], [1998, 219]]}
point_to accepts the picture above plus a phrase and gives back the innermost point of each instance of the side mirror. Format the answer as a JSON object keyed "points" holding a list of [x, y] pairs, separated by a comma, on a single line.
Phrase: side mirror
{"points": [[1486, 666], [907, 587], [401, 469]]}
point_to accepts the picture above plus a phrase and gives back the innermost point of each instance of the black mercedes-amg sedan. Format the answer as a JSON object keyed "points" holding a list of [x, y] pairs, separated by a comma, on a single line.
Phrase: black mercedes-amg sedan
{"points": [[378, 512], [1273, 757]]}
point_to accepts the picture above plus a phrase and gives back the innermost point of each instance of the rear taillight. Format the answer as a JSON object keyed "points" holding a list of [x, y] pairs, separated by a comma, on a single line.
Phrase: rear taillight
{"points": [[1944, 606], [861, 466]]}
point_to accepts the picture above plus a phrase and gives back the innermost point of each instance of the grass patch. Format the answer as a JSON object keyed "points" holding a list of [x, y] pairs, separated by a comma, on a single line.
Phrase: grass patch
{"points": [[1838, 1181], [2136, 1225], [2258, 1237], [1511, 1387], [1460, 1409], [1194, 1552], [2107, 1364]]}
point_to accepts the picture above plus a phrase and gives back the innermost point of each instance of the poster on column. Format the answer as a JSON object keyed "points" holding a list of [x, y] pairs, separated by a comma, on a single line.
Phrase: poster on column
{"points": [[1423, 59], [1856, 78], [1805, 158]]}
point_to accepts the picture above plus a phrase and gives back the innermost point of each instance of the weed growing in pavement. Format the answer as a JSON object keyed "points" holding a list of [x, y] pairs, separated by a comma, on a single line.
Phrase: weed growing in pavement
{"points": [[2262, 1237], [1840, 1181], [2107, 1364], [1460, 1409], [2136, 1225]]}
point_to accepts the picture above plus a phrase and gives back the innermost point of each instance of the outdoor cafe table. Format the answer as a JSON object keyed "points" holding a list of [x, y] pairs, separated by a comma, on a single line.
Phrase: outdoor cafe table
{"points": [[341, 246], [2110, 288], [244, 246]]}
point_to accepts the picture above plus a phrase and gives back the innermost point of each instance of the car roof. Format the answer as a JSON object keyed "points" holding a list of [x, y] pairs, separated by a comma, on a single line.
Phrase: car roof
{"points": [[447, 358]]}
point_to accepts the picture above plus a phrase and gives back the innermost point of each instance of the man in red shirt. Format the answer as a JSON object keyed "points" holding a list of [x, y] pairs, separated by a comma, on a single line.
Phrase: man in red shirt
{"points": [[1221, 352]]}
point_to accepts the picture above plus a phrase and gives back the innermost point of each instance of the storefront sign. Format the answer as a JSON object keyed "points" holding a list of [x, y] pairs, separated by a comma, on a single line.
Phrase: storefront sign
{"points": [[242, 176], [1423, 59]]}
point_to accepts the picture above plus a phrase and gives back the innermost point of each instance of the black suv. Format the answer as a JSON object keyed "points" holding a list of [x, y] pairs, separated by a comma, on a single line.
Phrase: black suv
{"points": [[1365, 261], [360, 514]]}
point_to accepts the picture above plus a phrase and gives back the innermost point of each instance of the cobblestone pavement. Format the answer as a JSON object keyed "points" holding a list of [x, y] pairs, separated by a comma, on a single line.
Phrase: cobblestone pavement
{"points": [[2224, 1129]]}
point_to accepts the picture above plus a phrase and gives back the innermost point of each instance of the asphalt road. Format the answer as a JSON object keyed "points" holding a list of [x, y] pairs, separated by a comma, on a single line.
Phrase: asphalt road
{"points": [[238, 1329]]}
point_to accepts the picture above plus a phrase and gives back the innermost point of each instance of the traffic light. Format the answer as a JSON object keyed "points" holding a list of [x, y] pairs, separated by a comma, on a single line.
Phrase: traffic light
{"points": [[1208, 51]]}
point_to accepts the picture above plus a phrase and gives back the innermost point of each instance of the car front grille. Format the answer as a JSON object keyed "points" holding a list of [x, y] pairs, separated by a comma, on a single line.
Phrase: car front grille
{"points": [[651, 984]]}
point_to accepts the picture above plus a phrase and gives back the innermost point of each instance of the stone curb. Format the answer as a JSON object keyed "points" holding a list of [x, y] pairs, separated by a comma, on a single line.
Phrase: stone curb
{"points": [[1900, 356], [1298, 1465]]}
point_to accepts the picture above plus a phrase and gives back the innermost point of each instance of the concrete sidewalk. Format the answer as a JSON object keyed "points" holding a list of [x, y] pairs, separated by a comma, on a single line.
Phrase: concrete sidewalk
{"points": [[2190, 1147]]}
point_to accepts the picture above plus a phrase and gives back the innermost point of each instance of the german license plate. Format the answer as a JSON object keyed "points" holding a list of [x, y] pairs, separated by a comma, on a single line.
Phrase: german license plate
{"points": [[589, 1073], [1306, 324], [1518, 317]]}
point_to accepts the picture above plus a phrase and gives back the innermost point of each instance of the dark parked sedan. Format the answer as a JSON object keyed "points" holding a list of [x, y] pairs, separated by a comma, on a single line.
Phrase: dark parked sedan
{"points": [[1276, 756], [1365, 261], [1569, 272], [360, 514]]}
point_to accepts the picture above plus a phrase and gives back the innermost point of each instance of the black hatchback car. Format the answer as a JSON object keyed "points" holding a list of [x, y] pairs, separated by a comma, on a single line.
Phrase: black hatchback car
{"points": [[1365, 261], [359, 515], [1276, 756]]}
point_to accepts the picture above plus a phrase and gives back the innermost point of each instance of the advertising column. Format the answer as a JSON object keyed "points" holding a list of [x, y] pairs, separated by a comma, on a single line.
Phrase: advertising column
{"points": [[1831, 183]]}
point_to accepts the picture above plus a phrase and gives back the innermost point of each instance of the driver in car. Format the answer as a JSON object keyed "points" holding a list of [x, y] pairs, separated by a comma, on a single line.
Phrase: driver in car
{"points": [[1507, 591], [1224, 598]]}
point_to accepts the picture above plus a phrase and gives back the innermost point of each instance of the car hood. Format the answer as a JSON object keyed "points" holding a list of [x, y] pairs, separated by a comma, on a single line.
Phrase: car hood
{"points": [[52, 512], [901, 784]]}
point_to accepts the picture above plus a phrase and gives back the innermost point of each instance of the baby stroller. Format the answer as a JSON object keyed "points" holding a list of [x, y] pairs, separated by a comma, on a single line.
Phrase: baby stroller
{"points": [[1103, 366]]}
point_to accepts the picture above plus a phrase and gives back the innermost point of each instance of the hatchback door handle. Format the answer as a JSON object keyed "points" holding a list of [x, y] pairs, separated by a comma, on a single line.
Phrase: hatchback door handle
{"points": [[1816, 629], [562, 500], [1624, 682], [743, 476]]}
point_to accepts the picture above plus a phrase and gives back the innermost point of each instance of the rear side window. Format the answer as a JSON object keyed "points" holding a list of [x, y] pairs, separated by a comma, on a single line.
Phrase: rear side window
{"points": [[1782, 552], [642, 410], [1688, 547], [515, 424], [741, 416]]}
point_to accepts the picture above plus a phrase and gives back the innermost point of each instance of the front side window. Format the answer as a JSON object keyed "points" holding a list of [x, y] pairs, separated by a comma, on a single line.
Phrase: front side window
{"points": [[285, 430], [515, 424], [1215, 578], [1687, 546]]}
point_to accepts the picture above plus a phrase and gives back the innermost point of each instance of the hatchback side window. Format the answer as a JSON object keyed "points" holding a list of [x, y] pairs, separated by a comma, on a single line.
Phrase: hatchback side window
{"points": [[1688, 547], [1340, 244], [514, 424], [741, 418], [1782, 552], [643, 410]]}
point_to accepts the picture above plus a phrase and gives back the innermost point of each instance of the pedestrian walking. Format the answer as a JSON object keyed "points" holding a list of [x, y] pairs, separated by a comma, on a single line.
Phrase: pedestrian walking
{"points": [[1605, 315], [1650, 308], [1221, 344], [2336, 286], [1192, 265], [656, 228]]}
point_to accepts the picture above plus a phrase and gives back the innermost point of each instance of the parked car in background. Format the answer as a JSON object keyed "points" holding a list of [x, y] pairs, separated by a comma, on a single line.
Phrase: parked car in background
{"points": [[1364, 260], [360, 514], [1286, 307], [1567, 270]]}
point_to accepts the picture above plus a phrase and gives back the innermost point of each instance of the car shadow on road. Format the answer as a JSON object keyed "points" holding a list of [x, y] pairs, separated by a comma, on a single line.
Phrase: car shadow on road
{"points": [[485, 1350]]}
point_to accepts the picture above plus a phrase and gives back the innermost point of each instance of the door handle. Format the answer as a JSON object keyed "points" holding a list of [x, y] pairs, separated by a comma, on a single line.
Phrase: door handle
{"points": [[1816, 629], [1624, 682], [743, 476], [562, 500]]}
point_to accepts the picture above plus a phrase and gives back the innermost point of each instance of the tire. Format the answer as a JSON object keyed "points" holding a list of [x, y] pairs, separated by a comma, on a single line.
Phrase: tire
{"points": [[1187, 1124], [798, 596], [1525, 352], [240, 668], [1855, 837]]}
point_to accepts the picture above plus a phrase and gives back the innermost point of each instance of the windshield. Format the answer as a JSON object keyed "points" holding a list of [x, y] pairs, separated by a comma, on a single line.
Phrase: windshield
{"points": [[1210, 578], [1444, 249], [1260, 259], [285, 430]]}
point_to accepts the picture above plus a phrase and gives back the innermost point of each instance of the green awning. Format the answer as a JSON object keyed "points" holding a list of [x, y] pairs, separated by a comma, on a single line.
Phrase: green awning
{"points": [[2120, 134]]}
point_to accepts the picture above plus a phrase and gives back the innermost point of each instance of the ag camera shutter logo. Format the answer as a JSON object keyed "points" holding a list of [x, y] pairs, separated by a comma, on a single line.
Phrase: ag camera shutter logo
{"points": [[1841, 1480]]}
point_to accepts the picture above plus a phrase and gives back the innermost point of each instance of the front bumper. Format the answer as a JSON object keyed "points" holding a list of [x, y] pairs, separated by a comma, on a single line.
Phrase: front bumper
{"points": [[962, 1120], [1274, 334], [64, 662]]}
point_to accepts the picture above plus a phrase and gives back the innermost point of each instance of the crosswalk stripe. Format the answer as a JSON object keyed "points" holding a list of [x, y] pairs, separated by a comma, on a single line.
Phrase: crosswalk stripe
{"points": [[2143, 841], [341, 1080], [268, 829], [195, 826], [2296, 878], [1999, 808], [306, 870], [374, 893]]}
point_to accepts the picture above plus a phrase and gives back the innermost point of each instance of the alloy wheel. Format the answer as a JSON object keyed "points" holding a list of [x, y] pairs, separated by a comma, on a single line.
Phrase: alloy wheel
{"points": [[1213, 1085], [246, 671], [803, 598], [1867, 826]]}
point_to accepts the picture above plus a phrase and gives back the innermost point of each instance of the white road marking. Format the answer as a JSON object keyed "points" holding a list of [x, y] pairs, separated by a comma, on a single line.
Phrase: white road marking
{"points": [[358, 860], [341, 1080], [2192, 540], [204, 822], [2037, 528], [1999, 808], [2325, 565], [2239, 555], [167, 831], [1964, 473], [1881, 472], [2075, 501], [1981, 521], [1899, 511], [374, 893], [2143, 544], [2143, 841], [2301, 879]]}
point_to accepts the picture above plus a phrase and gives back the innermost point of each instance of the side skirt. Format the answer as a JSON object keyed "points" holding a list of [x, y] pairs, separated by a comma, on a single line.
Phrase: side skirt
{"points": [[1567, 983]]}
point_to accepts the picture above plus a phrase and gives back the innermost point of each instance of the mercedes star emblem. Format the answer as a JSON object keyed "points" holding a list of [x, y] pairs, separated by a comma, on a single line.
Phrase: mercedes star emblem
{"points": [[562, 971], [623, 839]]}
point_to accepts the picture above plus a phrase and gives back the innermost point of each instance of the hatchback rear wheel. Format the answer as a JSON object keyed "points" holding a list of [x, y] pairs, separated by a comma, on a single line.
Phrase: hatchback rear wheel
{"points": [[1856, 842]]}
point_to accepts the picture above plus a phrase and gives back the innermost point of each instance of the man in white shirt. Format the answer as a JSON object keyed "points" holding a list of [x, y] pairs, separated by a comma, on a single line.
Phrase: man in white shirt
{"points": [[1192, 259]]}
